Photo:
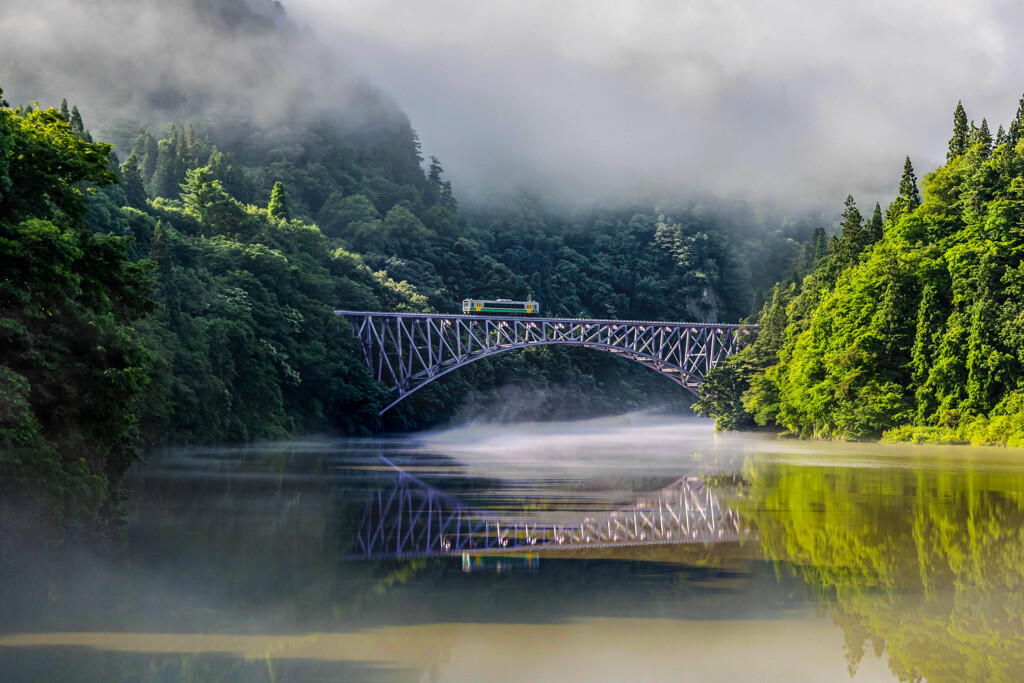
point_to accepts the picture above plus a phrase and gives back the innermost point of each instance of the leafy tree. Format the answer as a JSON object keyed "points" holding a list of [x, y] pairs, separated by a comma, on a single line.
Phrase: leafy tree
{"points": [[72, 363]]}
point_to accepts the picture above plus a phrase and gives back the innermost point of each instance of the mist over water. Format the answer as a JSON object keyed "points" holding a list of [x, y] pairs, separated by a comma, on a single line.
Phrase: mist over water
{"points": [[659, 546], [596, 447]]}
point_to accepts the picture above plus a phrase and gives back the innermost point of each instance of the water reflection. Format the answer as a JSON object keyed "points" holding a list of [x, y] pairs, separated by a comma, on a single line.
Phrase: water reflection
{"points": [[408, 518], [688, 555], [925, 561]]}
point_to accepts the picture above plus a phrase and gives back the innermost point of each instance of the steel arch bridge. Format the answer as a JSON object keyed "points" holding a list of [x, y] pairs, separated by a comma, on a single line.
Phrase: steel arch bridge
{"points": [[409, 518], [407, 351]]}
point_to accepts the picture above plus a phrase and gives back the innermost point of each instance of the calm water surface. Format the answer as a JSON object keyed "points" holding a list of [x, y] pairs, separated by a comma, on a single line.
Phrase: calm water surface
{"points": [[631, 549]]}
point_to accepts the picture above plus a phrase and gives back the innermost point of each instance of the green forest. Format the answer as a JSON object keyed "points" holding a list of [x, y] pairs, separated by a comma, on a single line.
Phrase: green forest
{"points": [[905, 326], [172, 280]]}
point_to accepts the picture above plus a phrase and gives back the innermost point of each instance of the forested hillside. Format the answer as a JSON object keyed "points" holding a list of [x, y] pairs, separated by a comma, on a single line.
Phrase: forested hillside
{"points": [[178, 286], [72, 362], [910, 326]]}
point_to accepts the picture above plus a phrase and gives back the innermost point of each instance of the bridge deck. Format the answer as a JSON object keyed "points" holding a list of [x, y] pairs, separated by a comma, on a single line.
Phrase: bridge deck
{"points": [[527, 319]]}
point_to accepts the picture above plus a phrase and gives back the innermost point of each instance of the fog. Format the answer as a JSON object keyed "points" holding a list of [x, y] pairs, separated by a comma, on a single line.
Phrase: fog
{"points": [[585, 100], [798, 100], [602, 447], [157, 62]]}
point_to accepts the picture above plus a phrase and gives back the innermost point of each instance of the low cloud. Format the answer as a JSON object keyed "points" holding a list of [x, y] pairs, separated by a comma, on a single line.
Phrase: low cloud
{"points": [[796, 100], [158, 61], [585, 100]]}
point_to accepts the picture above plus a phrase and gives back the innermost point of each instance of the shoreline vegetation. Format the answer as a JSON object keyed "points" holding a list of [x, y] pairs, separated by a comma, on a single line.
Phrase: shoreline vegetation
{"points": [[907, 327]]}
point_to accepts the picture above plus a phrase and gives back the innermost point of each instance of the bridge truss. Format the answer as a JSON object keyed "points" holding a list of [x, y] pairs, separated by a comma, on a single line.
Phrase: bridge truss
{"points": [[407, 351], [412, 519]]}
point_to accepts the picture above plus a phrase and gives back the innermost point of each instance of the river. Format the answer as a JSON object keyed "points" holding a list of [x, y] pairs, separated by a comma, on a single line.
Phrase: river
{"points": [[639, 548]]}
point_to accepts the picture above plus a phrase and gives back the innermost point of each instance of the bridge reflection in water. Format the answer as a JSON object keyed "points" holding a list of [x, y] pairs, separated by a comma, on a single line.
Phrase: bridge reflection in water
{"points": [[412, 519]]}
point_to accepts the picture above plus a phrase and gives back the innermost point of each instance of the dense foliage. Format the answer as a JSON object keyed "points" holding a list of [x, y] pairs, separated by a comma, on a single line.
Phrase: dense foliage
{"points": [[72, 360], [908, 327]]}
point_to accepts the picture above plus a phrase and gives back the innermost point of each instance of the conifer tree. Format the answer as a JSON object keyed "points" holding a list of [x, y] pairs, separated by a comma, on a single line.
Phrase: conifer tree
{"points": [[804, 262], [434, 172], [958, 143], [447, 198], [983, 138], [852, 238], [151, 153], [1016, 130], [908, 186], [1000, 136], [191, 146], [77, 126], [820, 244], [852, 218], [930, 321], [131, 181], [205, 198], [874, 227], [64, 113], [278, 207], [909, 198], [164, 182], [158, 246], [219, 166], [139, 145]]}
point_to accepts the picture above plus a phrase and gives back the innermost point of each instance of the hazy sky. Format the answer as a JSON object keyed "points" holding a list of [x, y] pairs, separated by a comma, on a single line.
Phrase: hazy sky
{"points": [[593, 100], [804, 100]]}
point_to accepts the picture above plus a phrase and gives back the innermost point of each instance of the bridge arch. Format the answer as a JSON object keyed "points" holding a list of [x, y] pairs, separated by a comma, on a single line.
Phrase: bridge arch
{"points": [[407, 351], [408, 517], [643, 359]]}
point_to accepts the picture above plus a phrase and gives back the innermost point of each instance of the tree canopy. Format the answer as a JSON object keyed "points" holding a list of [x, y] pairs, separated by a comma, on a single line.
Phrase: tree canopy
{"points": [[915, 335]]}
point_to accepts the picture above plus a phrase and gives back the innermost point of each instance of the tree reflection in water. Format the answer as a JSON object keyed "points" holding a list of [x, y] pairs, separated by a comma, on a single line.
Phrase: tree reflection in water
{"points": [[926, 562], [239, 559]]}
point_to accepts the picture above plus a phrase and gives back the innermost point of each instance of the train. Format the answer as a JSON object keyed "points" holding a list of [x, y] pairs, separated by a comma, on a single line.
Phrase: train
{"points": [[505, 306]]}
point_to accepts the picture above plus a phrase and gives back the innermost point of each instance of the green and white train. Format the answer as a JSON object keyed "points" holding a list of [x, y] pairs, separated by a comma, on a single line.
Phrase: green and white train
{"points": [[504, 306]]}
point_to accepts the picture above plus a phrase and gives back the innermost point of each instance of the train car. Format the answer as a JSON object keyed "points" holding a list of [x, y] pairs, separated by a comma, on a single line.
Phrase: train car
{"points": [[505, 306]]}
